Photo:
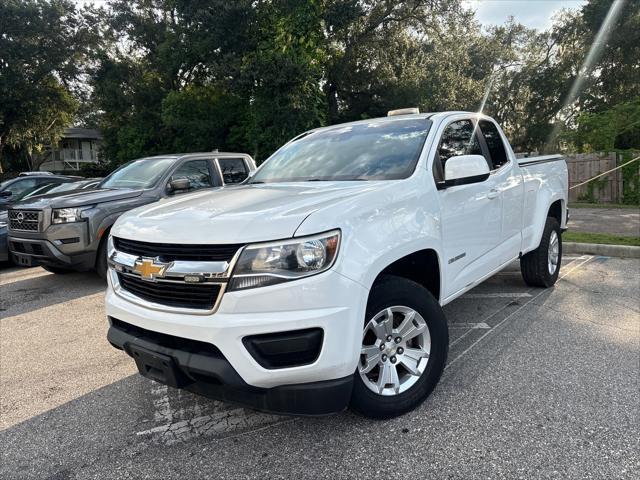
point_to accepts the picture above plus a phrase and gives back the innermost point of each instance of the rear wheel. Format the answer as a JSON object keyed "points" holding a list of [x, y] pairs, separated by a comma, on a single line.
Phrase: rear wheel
{"points": [[404, 349], [541, 267]]}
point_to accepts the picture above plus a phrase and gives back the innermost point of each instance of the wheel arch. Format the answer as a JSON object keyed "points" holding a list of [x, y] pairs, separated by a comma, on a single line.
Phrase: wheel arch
{"points": [[421, 266], [556, 210]]}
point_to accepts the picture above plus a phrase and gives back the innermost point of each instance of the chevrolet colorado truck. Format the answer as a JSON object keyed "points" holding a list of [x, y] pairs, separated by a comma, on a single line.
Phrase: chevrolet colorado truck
{"points": [[319, 282], [68, 231]]}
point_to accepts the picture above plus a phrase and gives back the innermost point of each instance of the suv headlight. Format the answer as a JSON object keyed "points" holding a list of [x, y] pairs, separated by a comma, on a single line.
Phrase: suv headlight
{"points": [[68, 215], [263, 264]]}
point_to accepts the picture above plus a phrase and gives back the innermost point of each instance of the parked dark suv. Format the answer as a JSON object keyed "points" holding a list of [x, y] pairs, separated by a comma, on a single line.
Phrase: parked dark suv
{"points": [[64, 232], [11, 190]]}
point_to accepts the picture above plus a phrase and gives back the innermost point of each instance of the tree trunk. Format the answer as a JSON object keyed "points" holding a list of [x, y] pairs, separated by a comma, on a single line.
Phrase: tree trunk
{"points": [[1, 150], [332, 101]]}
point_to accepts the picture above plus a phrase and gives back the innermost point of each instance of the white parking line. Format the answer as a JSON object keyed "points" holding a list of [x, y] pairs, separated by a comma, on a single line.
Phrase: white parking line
{"points": [[469, 325], [512, 314], [220, 423]]}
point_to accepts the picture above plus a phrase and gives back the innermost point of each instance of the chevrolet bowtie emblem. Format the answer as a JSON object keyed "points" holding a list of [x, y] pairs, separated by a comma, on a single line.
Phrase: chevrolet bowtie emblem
{"points": [[149, 269]]}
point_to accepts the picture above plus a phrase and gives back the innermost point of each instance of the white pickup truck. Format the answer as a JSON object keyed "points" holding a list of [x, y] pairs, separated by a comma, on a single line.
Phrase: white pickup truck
{"points": [[318, 284]]}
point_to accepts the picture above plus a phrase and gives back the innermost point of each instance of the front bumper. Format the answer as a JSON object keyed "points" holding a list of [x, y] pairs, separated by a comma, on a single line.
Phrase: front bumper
{"points": [[66, 246], [205, 371], [328, 301]]}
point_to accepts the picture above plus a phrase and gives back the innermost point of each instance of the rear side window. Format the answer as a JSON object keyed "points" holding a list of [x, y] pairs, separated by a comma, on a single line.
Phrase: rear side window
{"points": [[494, 143], [234, 170]]}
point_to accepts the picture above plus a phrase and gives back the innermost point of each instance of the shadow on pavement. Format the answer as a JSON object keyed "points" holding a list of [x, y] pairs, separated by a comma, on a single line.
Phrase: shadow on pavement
{"points": [[35, 292]]}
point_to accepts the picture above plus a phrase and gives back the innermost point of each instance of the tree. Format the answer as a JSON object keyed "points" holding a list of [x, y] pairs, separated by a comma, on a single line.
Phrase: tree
{"points": [[43, 45], [615, 129]]}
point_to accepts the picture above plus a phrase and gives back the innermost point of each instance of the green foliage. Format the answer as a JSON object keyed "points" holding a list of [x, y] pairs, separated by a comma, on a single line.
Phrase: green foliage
{"points": [[192, 75], [631, 179], [42, 47], [284, 74], [617, 128], [203, 118], [601, 238]]}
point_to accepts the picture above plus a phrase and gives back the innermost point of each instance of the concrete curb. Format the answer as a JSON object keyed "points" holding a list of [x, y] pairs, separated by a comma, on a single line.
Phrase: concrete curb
{"points": [[601, 249]]}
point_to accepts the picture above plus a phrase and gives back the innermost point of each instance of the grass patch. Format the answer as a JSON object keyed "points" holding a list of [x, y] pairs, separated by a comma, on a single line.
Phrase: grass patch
{"points": [[603, 205], [603, 238]]}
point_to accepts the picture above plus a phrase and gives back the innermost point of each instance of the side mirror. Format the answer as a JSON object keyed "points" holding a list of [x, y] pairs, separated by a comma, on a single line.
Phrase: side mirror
{"points": [[179, 184], [465, 169], [5, 193]]}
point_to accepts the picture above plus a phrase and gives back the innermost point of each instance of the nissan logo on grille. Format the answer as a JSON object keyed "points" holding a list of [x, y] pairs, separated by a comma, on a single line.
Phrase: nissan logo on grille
{"points": [[26, 220]]}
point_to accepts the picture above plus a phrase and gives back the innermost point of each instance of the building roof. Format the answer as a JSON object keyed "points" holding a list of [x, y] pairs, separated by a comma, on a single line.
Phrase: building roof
{"points": [[82, 133]]}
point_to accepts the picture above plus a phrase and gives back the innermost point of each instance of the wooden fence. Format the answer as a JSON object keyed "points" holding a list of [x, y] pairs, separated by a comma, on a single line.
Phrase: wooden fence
{"points": [[583, 166]]}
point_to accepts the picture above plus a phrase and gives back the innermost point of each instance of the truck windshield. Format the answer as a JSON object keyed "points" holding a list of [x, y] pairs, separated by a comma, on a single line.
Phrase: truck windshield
{"points": [[143, 173], [379, 150]]}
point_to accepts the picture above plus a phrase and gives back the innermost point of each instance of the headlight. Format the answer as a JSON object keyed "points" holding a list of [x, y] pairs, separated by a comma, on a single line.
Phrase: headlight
{"points": [[3, 224], [265, 264], [67, 215]]}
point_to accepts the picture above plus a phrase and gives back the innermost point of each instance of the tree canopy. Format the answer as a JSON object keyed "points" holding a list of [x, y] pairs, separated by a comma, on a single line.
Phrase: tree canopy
{"points": [[161, 76]]}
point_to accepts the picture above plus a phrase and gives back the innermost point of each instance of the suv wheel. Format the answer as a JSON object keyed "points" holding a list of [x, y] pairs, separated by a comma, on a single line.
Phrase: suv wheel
{"points": [[101, 257], [404, 349]]}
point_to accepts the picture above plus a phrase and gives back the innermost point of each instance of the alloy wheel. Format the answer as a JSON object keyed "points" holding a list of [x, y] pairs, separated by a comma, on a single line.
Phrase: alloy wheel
{"points": [[395, 350]]}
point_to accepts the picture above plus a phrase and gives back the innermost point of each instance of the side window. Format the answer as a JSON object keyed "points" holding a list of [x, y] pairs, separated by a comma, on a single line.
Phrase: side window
{"points": [[234, 170], [458, 138], [22, 186], [494, 143], [197, 171]]}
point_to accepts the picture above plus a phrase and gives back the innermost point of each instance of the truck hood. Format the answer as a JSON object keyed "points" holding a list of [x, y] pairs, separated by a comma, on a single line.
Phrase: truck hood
{"points": [[241, 214], [78, 198]]}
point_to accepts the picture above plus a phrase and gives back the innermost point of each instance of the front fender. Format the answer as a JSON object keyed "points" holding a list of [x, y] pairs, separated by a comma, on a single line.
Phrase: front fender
{"points": [[381, 227]]}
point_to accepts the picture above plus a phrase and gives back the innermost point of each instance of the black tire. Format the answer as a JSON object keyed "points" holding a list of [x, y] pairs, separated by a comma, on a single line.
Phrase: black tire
{"points": [[101, 257], [56, 270], [397, 291], [535, 264]]}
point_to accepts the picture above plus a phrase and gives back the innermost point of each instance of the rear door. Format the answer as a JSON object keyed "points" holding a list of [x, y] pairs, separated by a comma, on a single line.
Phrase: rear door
{"points": [[471, 215]]}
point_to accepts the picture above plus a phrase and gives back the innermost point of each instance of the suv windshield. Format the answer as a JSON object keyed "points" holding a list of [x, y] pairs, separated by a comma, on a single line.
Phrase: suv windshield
{"points": [[143, 173], [379, 150]]}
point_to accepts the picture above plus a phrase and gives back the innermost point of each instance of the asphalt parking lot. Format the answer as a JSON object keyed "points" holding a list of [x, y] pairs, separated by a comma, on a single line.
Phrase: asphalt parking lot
{"points": [[539, 384]]}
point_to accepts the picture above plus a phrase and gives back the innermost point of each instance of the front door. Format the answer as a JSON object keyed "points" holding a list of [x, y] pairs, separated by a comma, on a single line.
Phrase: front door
{"points": [[471, 215]]}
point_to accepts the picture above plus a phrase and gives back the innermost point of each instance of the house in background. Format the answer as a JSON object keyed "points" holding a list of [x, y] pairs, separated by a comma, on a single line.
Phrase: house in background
{"points": [[77, 146]]}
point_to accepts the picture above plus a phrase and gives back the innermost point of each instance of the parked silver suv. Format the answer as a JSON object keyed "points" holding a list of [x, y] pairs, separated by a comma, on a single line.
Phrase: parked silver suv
{"points": [[64, 232]]}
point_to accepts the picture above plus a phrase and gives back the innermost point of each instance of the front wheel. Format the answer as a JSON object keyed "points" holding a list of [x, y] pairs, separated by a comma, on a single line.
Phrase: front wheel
{"points": [[541, 267], [404, 349], [101, 258]]}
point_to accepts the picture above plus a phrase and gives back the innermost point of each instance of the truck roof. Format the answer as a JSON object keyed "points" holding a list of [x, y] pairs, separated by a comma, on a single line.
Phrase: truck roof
{"points": [[430, 115], [194, 155]]}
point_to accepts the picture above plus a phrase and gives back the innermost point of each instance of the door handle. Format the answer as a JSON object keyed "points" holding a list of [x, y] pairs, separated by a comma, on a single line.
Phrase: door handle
{"points": [[493, 193]]}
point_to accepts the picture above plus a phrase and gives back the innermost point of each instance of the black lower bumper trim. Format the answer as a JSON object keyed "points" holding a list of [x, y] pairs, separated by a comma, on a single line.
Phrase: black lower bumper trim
{"points": [[204, 370]]}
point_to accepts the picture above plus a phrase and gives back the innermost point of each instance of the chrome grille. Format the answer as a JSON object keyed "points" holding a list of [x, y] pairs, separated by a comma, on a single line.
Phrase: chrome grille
{"points": [[24, 220], [172, 294], [170, 252]]}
